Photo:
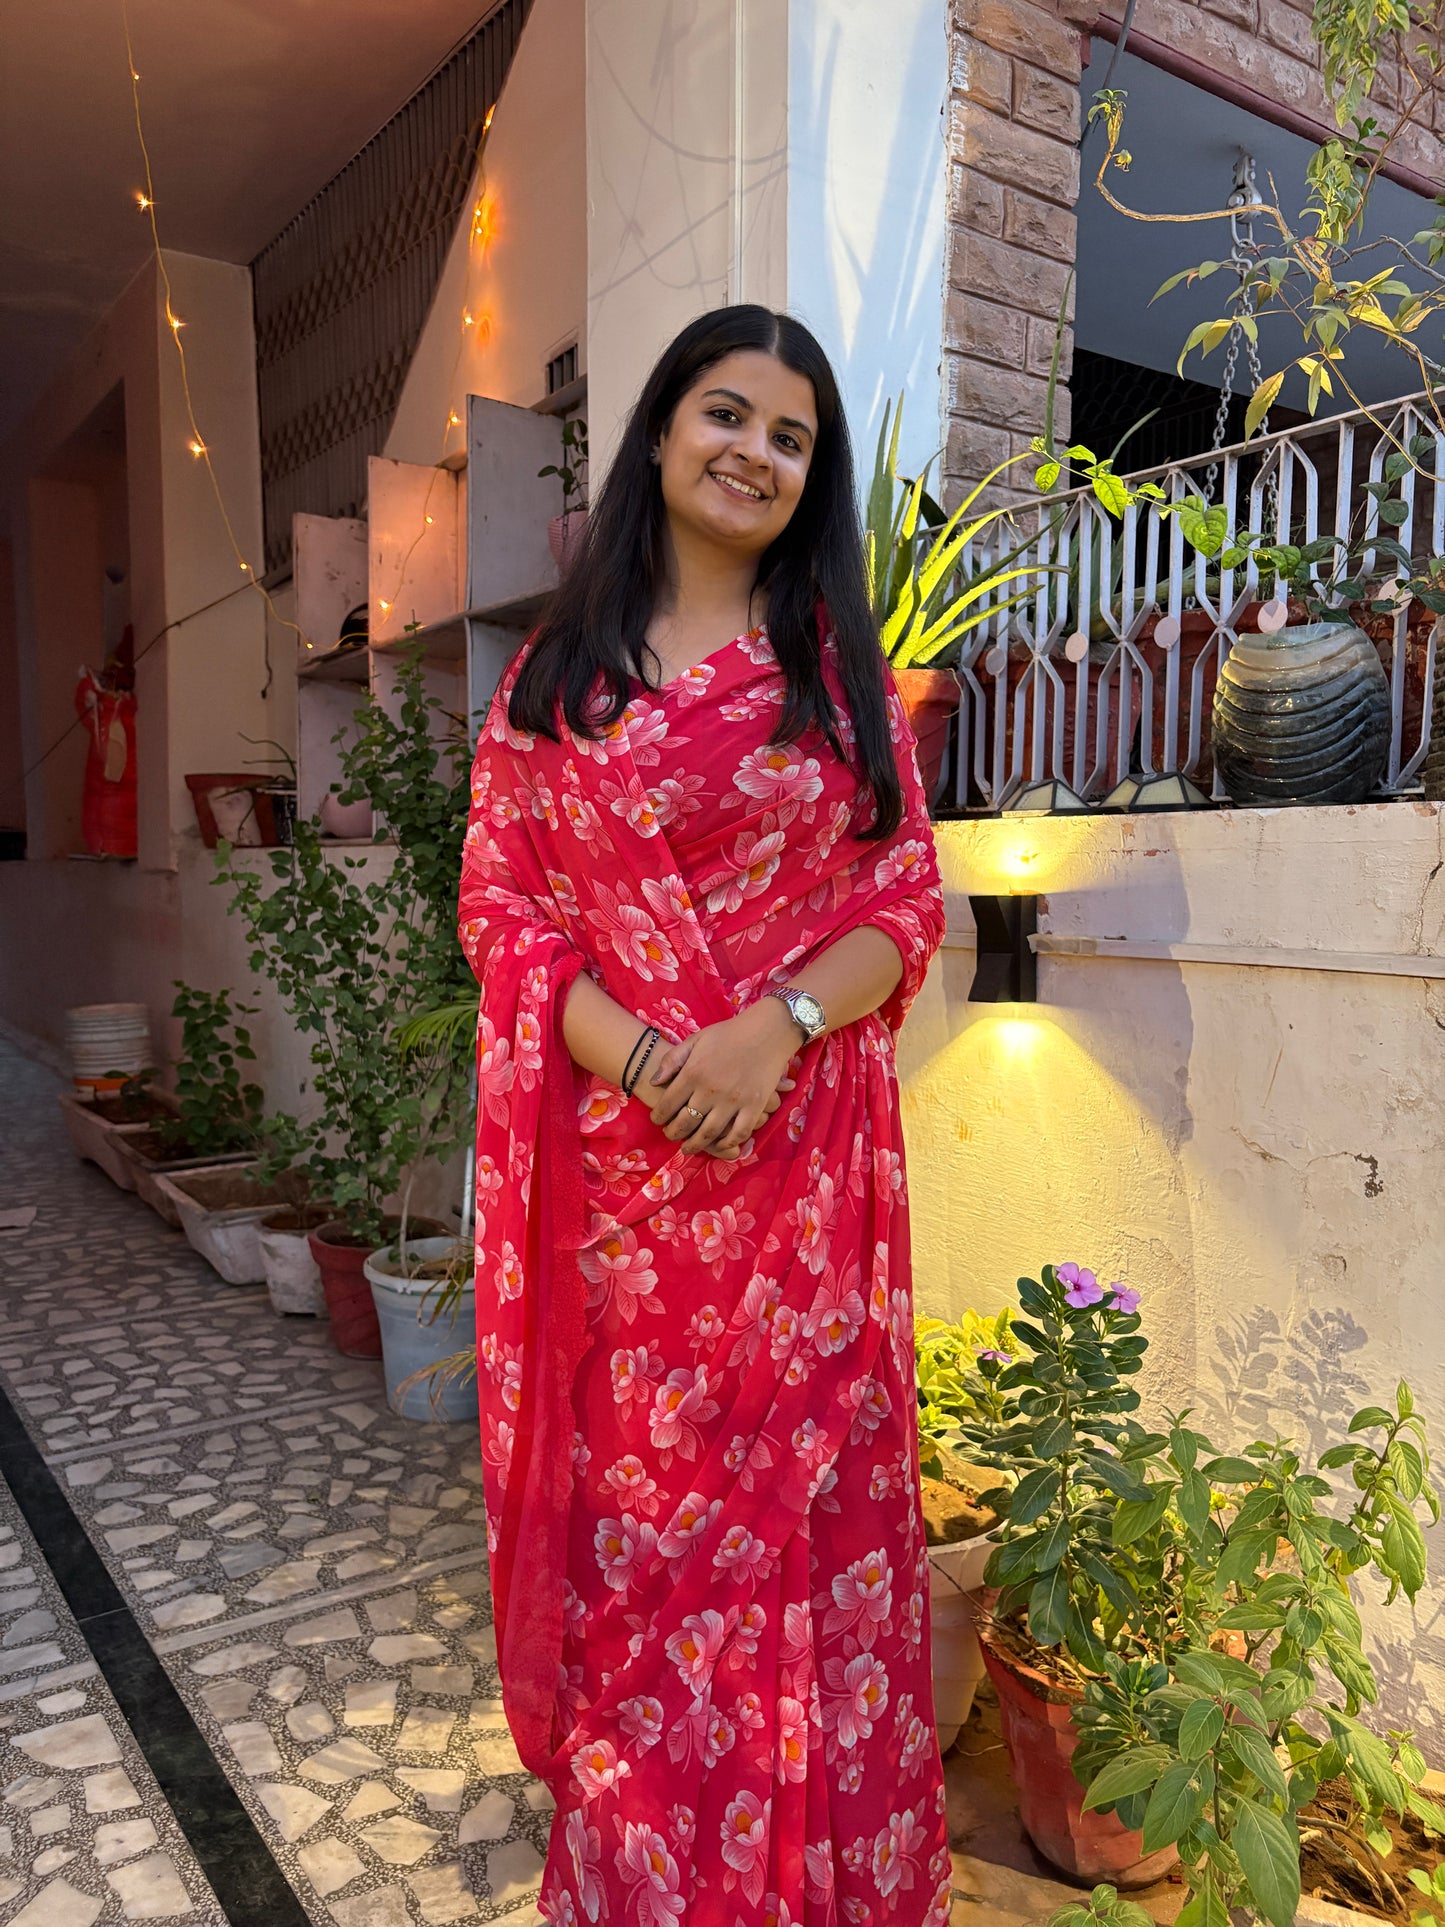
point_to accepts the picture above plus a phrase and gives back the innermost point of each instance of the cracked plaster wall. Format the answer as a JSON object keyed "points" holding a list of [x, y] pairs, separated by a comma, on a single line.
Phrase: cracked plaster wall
{"points": [[1256, 1148]]}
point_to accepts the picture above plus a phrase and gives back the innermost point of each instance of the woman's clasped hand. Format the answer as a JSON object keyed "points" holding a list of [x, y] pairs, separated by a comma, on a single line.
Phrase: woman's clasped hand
{"points": [[711, 1092]]}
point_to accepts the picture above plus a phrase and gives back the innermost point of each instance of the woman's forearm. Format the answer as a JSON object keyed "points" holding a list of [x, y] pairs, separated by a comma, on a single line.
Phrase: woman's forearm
{"points": [[598, 1031], [853, 976]]}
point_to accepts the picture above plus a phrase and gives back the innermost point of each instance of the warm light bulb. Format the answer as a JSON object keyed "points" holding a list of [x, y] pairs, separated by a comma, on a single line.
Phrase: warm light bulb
{"points": [[385, 607], [198, 448], [429, 520], [175, 322], [488, 121], [454, 420], [143, 201], [245, 568]]}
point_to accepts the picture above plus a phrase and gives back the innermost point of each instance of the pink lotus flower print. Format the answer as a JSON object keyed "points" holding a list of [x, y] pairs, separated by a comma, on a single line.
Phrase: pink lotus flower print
{"points": [[779, 773], [857, 1691], [654, 1898], [680, 1405], [624, 1549], [597, 1769], [862, 1599], [834, 1318], [630, 1480], [904, 860], [745, 1825], [790, 1755], [685, 1531], [640, 1719], [584, 1851], [741, 1555], [895, 1852], [695, 1647], [1082, 1288], [618, 1269]]}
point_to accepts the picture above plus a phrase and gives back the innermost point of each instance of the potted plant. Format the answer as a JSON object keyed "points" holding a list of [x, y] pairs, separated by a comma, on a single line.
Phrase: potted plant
{"points": [[214, 1118], [566, 531], [344, 949], [955, 1522], [1174, 1644], [99, 1128], [423, 1290]]}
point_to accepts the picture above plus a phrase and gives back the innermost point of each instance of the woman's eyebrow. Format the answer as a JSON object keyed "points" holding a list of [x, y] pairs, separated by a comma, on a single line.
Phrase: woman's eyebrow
{"points": [[732, 395]]}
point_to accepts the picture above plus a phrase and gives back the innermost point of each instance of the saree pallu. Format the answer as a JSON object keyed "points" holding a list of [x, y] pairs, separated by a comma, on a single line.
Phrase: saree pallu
{"points": [[696, 1376]]}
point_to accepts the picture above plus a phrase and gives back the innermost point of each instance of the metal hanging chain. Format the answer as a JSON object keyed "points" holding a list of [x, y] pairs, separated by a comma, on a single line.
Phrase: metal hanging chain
{"points": [[1243, 199]]}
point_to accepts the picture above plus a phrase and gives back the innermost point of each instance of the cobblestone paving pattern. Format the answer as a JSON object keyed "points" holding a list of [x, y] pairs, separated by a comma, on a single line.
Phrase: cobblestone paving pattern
{"points": [[310, 1568]]}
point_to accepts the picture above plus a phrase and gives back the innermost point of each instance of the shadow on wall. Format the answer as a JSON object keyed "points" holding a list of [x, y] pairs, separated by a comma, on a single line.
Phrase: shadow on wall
{"points": [[1303, 1383]]}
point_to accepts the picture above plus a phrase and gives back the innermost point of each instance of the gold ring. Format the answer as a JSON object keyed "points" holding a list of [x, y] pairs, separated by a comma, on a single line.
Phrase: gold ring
{"points": [[693, 1113]]}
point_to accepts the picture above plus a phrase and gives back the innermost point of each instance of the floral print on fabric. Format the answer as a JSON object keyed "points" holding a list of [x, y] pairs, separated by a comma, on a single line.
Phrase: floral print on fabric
{"points": [[697, 1377]]}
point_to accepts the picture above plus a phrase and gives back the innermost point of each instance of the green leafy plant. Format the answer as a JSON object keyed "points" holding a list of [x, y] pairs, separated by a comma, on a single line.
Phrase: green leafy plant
{"points": [[1432, 1885], [572, 469], [947, 1353], [926, 589], [217, 1111], [1313, 264], [1198, 1601], [346, 950]]}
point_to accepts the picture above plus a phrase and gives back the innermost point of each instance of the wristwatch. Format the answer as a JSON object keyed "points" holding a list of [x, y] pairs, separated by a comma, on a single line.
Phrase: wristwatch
{"points": [[806, 1011]]}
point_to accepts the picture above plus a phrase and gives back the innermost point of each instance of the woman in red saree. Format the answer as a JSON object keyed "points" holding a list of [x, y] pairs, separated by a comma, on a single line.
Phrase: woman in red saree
{"points": [[694, 1305]]}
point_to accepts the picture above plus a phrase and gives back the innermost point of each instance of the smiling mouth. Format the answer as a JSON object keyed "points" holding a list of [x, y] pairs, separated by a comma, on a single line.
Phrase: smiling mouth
{"points": [[736, 486]]}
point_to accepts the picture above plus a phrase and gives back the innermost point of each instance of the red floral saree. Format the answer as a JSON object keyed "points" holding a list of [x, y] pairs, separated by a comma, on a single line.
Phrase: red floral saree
{"points": [[697, 1377]]}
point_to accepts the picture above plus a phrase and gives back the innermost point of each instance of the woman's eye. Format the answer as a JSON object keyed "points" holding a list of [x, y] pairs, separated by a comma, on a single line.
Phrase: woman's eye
{"points": [[722, 414], [788, 442]]}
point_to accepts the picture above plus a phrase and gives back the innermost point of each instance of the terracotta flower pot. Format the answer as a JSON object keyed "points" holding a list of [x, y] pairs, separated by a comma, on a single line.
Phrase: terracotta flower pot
{"points": [[1038, 1729], [341, 1260], [930, 698]]}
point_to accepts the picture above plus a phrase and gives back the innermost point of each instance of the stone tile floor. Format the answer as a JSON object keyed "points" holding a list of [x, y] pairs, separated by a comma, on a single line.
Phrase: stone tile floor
{"points": [[310, 1569]]}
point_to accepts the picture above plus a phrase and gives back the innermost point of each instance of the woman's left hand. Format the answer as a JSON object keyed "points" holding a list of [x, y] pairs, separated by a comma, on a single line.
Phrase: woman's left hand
{"points": [[713, 1090]]}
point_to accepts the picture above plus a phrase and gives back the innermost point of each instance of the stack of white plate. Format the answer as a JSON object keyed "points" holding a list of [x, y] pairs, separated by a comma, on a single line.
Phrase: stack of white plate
{"points": [[108, 1043]]}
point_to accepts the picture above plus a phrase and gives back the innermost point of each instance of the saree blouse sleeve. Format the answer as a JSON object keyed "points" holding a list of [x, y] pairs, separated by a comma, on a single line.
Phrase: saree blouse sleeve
{"points": [[905, 874]]}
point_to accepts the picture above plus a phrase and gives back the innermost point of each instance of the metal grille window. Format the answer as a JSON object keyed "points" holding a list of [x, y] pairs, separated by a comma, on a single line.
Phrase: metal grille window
{"points": [[342, 294], [562, 369]]}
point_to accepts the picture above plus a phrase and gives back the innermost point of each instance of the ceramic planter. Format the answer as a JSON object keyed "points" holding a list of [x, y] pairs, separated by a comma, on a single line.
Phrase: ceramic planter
{"points": [[412, 1341], [99, 1142], [220, 1211], [148, 1169], [1037, 1716], [930, 699], [1302, 717], [955, 1574], [293, 1281], [341, 1260]]}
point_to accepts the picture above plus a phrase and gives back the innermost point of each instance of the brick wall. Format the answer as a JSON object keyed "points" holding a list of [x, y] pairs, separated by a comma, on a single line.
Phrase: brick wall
{"points": [[1014, 107]]}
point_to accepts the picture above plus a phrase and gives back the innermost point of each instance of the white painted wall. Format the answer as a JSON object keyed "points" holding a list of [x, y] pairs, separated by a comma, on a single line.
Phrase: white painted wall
{"points": [[1257, 1149], [783, 151], [526, 287], [867, 205]]}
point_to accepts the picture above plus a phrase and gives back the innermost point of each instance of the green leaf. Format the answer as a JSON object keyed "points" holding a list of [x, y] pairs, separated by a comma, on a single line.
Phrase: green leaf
{"points": [[1227, 1471], [1268, 1851], [1053, 1439], [1402, 1550], [1404, 1399], [1254, 1751], [1184, 1447], [1241, 1558], [1262, 402], [1110, 491], [1129, 1772], [1193, 1502], [1135, 1517], [1045, 475], [1033, 1496], [1048, 1607], [1342, 1455], [1394, 513], [1200, 1669], [1201, 1726], [1369, 1416], [1176, 1802]]}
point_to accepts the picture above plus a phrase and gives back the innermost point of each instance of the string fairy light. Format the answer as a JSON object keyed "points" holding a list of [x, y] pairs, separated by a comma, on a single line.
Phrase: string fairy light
{"points": [[200, 449], [476, 326]]}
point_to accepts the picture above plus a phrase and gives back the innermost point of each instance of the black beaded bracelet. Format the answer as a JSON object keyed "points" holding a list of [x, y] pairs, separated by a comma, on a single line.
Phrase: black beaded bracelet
{"points": [[643, 1036], [653, 1042]]}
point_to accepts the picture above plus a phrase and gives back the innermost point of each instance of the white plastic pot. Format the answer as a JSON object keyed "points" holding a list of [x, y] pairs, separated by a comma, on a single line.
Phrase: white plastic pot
{"points": [[411, 1340], [955, 1574], [292, 1278]]}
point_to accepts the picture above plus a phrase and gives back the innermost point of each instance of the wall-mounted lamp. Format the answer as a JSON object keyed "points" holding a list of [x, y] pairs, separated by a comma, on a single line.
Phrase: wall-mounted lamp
{"points": [[1007, 970]]}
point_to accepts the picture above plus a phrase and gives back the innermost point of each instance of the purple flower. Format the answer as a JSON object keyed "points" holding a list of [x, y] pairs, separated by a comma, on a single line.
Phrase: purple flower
{"points": [[1124, 1299], [999, 1358], [1083, 1288]]}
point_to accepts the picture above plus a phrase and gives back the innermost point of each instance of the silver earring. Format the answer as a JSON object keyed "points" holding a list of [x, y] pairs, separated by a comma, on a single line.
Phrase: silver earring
{"points": [[656, 456]]}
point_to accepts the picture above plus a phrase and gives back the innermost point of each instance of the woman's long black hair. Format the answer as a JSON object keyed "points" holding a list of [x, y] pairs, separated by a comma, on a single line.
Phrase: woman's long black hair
{"points": [[597, 621]]}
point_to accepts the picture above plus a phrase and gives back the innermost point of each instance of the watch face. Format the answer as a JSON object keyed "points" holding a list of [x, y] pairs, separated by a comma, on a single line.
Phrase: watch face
{"points": [[808, 1011]]}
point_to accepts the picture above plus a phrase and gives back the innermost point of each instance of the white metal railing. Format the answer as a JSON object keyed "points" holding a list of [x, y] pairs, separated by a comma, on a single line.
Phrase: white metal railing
{"points": [[1074, 682]]}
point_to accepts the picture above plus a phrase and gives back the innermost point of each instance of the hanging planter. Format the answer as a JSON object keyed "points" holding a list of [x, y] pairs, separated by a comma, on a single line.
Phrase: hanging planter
{"points": [[1302, 716]]}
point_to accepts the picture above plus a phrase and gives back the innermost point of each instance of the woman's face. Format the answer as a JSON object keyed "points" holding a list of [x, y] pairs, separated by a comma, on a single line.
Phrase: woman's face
{"points": [[735, 455]]}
